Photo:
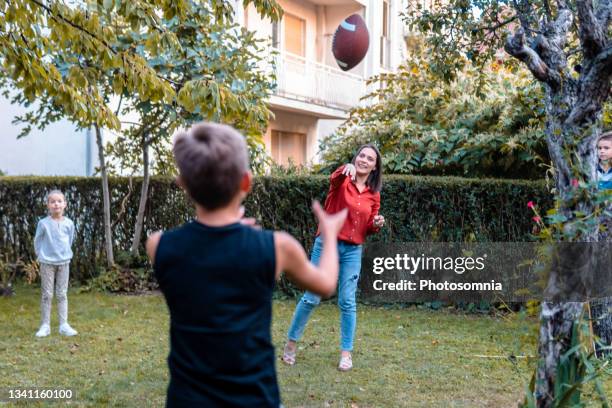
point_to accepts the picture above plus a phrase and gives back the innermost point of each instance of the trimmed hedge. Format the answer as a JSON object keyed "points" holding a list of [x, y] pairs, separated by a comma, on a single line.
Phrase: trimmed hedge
{"points": [[415, 208]]}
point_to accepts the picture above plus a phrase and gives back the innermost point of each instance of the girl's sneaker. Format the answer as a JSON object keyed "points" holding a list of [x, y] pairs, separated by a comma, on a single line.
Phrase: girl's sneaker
{"points": [[43, 331], [66, 330], [289, 355], [346, 363]]}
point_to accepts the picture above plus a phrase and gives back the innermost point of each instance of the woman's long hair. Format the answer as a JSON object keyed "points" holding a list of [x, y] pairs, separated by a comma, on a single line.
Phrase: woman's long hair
{"points": [[374, 181]]}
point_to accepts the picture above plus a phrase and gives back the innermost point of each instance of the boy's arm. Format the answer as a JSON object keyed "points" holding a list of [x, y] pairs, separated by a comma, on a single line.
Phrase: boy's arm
{"points": [[291, 257], [151, 245]]}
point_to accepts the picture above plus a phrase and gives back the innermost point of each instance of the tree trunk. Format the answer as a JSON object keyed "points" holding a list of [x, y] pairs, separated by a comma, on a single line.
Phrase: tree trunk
{"points": [[108, 237], [556, 329], [143, 198], [572, 108], [601, 314]]}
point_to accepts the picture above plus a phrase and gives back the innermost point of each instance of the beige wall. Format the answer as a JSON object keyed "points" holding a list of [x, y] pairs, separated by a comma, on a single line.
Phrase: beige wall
{"points": [[307, 90], [321, 23]]}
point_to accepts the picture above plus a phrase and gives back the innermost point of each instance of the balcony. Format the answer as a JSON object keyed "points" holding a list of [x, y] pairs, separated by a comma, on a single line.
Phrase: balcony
{"points": [[313, 83]]}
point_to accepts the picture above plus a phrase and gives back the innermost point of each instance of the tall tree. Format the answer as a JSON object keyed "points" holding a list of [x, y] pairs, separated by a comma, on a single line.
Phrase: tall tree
{"points": [[566, 46], [219, 72]]}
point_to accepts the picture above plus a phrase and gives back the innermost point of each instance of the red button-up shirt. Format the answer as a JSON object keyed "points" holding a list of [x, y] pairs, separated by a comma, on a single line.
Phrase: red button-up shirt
{"points": [[362, 207]]}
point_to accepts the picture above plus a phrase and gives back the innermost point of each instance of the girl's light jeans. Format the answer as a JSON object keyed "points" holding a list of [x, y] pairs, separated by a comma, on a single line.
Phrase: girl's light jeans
{"points": [[54, 276], [350, 266]]}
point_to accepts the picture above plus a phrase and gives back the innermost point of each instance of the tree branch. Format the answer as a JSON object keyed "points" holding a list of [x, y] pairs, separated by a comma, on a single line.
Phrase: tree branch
{"points": [[592, 36], [594, 89], [493, 28], [59, 16], [515, 46], [559, 29], [548, 14], [523, 11], [604, 12]]}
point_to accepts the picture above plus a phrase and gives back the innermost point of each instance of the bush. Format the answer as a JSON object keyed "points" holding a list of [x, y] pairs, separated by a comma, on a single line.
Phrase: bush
{"points": [[416, 209], [131, 274], [485, 123]]}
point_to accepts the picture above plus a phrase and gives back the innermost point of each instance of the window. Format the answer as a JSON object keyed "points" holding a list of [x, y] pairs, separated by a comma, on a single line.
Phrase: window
{"points": [[288, 147], [385, 19], [295, 30], [385, 43]]}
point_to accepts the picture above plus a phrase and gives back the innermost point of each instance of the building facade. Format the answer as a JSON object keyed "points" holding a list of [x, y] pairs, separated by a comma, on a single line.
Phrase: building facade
{"points": [[313, 96], [59, 150]]}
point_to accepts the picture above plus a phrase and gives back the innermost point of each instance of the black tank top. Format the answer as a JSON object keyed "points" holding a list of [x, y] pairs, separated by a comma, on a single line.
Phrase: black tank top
{"points": [[218, 282]]}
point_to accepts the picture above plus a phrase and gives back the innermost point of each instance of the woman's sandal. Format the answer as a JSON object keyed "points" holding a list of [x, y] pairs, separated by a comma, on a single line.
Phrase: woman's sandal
{"points": [[288, 356], [346, 363]]}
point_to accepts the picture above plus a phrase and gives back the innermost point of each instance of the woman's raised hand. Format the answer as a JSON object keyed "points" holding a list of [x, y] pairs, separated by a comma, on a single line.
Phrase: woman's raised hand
{"points": [[329, 224], [349, 170], [250, 221]]}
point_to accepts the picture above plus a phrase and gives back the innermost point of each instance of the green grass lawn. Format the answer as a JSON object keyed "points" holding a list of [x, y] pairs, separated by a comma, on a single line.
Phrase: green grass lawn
{"points": [[403, 357]]}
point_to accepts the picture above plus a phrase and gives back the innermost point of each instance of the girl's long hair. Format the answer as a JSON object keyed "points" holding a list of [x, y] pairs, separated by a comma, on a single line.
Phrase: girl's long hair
{"points": [[374, 181]]}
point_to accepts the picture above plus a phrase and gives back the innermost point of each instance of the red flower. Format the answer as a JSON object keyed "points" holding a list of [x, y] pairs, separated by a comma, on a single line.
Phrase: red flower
{"points": [[574, 183], [531, 205], [537, 219]]}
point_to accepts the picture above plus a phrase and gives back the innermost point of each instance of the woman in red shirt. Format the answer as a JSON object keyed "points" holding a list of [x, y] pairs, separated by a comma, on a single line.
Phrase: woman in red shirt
{"points": [[355, 186]]}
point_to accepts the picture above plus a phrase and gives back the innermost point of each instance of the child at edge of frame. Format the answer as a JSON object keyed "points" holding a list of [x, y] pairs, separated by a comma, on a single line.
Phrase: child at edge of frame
{"points": [[217, 273], [604, 167]]}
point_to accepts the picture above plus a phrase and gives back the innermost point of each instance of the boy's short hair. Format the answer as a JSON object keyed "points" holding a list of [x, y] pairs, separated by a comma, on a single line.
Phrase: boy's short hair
{"points": [[212, 159], [52, 192], [607, 136]]}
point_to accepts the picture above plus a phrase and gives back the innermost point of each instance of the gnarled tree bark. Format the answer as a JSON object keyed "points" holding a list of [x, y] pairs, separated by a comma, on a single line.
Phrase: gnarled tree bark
{"points": [[573, 109]]}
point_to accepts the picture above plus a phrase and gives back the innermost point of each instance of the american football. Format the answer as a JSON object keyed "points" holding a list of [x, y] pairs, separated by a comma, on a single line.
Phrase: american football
{"points": [[351, 42]]}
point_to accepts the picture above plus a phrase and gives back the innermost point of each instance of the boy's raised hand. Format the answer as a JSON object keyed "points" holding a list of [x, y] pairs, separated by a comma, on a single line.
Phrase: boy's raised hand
{"points": [[321, 279], [329, 224]]}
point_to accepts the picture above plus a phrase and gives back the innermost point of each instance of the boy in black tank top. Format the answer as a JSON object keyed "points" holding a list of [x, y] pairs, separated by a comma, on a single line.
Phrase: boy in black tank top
{"points": [[217, 274]]}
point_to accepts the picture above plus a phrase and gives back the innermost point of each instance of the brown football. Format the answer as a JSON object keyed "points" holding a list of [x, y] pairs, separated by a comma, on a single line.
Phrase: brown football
{"points": [[351, 42]]}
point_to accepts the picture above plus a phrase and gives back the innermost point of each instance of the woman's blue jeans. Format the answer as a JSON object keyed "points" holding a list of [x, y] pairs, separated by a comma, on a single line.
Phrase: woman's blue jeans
{"points": [[349, 256]]}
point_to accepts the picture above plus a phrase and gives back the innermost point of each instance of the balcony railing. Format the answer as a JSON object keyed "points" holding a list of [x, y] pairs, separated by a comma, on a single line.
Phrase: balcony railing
{"points": [[312, 82]]}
